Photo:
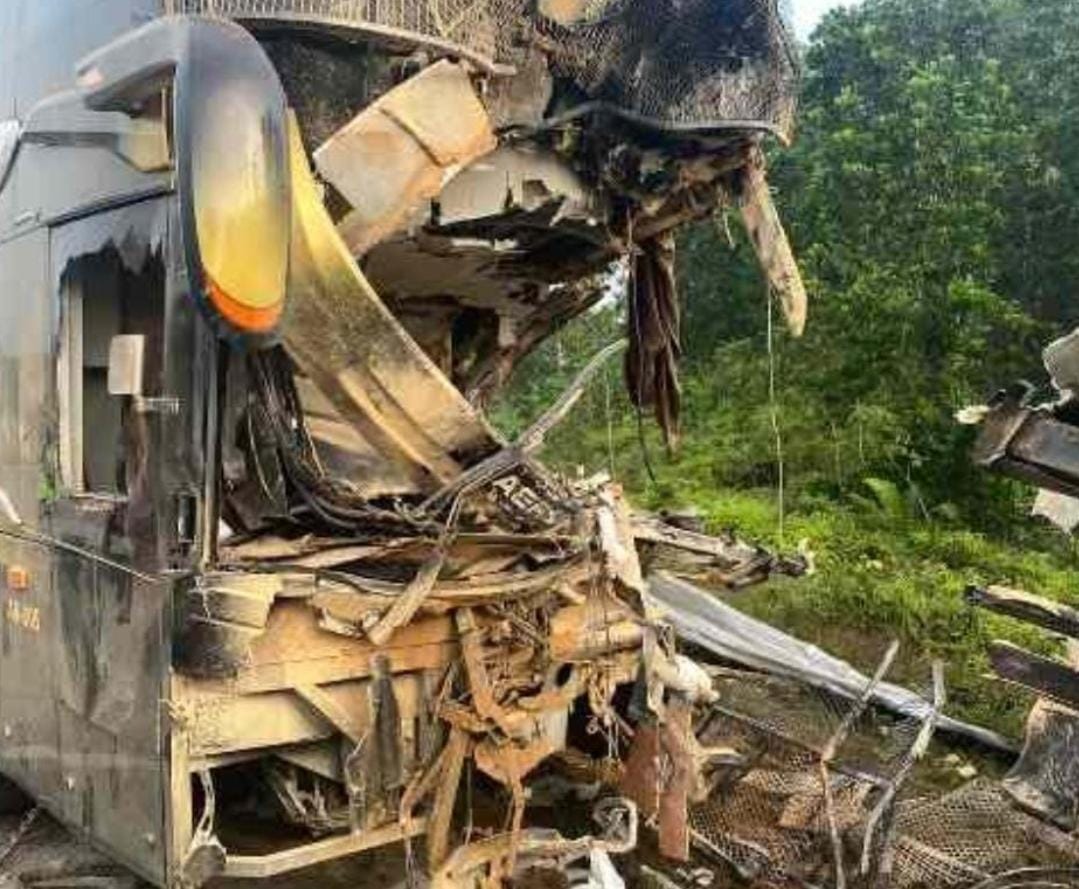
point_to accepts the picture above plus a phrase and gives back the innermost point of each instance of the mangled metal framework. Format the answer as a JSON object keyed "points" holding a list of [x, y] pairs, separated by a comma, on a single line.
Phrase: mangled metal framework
{"points": [[483, 595], [800, 809], [401, 591], [1036, 443], [323, 573], [824, 791]]}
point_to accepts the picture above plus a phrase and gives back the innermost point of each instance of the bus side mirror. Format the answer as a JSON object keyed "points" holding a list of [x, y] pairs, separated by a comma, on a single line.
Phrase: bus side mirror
{"points": [[127, 358], [230, 144]]}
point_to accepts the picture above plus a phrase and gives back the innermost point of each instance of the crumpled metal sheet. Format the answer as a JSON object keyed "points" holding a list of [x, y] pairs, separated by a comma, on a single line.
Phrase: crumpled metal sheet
{"points": [[705, 620], [1046, 778], [401, 150], [352, 348], [136, 232], [1060, 509], [1061, 359]]}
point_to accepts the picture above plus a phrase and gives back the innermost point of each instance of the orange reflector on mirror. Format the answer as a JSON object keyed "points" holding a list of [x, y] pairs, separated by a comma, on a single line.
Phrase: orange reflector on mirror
{"points": [[243, 316]]}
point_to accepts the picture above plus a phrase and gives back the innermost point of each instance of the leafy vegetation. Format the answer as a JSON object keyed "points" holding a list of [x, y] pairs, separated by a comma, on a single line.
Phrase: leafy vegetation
{"points": [[933, 198]]}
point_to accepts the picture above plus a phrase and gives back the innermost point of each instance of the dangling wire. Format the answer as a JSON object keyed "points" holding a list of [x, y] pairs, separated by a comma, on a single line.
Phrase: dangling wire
{"points": [[773, 407], [631, 283], [610, 420]]}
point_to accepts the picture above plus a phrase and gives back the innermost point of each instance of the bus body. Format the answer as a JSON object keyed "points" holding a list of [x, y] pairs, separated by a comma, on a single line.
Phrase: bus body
{"points": [[161, 651]]}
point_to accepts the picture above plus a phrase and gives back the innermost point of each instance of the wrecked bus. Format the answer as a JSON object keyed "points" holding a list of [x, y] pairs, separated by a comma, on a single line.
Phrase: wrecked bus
{"points": [[264, 560]]}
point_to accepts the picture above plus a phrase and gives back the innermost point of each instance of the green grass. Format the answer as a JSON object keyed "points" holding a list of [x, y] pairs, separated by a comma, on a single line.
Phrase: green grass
{"points": [[889, 564], [886, 567], [881, 576]]}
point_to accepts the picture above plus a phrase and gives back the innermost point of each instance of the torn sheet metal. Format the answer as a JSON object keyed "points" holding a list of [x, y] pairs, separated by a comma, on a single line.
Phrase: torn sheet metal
{"points": [[402, 149], [660, 775], [366, 365], [1061, 359], [1045, 676], [524, 176], [345, 453], [1038, 443], [705, 620], [1060, 509], [1032, 442], [1045, 780], [136, 232], [489, 861], [486, 239], [1037, 610], [725, 560]]}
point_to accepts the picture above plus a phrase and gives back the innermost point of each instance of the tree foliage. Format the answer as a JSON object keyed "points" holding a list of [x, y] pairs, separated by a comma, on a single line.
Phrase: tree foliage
{"points": [[933, 198]]}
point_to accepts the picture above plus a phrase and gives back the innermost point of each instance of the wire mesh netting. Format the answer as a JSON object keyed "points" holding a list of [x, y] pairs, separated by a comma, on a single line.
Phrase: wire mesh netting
{"points": [[769, 817], [685, 64], [681, 64], [466, 26], [970, 835]]}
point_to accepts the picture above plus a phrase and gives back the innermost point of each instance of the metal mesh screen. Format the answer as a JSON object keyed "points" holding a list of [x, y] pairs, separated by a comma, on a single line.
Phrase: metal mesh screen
{"points": [[680, 64], [459, 26], [969, 835], [768, 819]]}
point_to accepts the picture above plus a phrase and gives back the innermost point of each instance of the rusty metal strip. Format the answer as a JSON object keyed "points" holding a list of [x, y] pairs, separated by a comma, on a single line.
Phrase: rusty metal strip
{"points": [[1045, 613], [406, 605], [472, 651], [1042, 675], [438, 835], [256, 867]]}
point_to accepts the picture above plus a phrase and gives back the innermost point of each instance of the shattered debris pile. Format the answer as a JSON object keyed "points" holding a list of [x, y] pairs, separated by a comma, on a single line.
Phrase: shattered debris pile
{"points": [[369, 602], [401, 599], [825, 784], [438, 601]]}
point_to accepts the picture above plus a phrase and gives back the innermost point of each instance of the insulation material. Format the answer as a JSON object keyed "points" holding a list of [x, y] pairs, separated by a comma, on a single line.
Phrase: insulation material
{"points": [[655, 331], [697, 64], [402, 149]]}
